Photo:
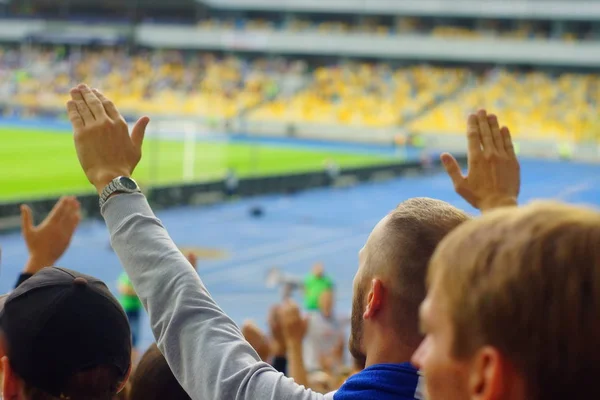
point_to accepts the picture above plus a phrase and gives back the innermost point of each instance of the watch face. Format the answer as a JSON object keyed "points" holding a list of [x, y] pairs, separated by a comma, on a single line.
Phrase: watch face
{"points": [[128, 183]]}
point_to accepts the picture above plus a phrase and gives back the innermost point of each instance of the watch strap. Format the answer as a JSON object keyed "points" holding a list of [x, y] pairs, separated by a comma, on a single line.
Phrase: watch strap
{"points": [[115, 186]]}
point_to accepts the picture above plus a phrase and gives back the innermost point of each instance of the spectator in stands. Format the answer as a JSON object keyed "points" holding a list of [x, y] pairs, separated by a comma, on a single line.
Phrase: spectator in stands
{"points": [[314, 285], [154, 380], [324, 341], [48, 241], [512, 308], [133, 308], [205, 349], [64, 336]]}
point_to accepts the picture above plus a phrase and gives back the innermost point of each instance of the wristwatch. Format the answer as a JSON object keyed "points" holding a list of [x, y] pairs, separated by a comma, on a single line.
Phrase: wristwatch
{"points": [[121, 184]]}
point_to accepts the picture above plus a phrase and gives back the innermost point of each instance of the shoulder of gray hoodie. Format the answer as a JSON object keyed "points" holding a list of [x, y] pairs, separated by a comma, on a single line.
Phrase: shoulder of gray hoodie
{"points": [[204, 348]]}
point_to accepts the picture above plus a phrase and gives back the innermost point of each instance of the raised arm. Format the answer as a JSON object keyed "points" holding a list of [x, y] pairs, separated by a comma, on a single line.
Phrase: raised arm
{"points": [[204, 348], [493, 179]]}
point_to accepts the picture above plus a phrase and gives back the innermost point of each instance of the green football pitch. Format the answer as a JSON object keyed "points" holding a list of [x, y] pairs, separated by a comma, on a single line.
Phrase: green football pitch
{"points": [[36, 163]]}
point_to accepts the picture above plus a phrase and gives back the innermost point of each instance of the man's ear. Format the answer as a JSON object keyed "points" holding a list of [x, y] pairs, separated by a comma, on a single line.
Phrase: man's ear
{"points": [[11, 384], [374, 299], [127, 376], [492, 376]]}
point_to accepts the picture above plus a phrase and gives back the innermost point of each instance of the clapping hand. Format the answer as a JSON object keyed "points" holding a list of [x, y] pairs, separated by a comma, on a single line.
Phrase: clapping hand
{"points": [[48, 241], [293, 324], [493, 178]]}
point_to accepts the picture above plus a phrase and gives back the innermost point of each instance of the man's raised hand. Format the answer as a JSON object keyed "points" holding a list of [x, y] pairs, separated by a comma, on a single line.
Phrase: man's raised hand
{"points": [[293, 323], [104, 147], [493, 178], [48, 241]]}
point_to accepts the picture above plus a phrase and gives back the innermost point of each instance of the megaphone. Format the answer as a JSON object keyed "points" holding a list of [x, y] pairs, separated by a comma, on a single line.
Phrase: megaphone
{"points": [[288, 283]]}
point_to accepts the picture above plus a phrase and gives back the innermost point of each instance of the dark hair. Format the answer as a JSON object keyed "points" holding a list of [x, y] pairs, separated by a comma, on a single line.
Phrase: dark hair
{"points": [[153, 379], [100, 383]]}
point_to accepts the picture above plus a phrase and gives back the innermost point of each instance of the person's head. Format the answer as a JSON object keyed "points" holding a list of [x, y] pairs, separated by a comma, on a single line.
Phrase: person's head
{"points": [[390, 282], [154, 380], [326, 303], [513, 307], [318, 270], [63, 335]]}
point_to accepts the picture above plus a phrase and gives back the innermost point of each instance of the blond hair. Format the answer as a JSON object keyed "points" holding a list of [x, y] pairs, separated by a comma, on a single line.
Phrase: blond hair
{"points": [[527, 282], [413, 231]]}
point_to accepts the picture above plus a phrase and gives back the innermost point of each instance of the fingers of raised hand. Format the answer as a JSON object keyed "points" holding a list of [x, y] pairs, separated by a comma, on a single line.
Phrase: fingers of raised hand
{"points": [[72, 214], [485, 133], [509, 147], [92, 100], [82, 107], [473, 136], [496, 134], [109, 106], [74, 116], [26, 219]]}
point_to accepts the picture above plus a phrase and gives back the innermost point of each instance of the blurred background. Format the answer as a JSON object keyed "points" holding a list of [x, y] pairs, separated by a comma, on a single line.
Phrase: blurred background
{"points": [[282, 130]]}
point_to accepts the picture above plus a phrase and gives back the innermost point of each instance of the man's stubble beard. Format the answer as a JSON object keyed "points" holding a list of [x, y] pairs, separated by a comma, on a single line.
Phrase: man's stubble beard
{"points": [[356, 329]]}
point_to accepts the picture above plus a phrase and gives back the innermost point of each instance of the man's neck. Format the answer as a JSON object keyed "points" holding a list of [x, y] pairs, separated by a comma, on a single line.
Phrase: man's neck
{"points": [[388, 352]]}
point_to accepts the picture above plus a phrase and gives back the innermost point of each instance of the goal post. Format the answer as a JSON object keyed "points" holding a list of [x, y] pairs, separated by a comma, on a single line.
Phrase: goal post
{"points": [[182, 150]]}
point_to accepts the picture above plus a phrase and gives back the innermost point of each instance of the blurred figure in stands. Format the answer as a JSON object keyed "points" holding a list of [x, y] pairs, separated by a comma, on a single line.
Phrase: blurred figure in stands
{"points": [[133, 308], [512, 309], [314, 285], [324, 341], [154, 380]]}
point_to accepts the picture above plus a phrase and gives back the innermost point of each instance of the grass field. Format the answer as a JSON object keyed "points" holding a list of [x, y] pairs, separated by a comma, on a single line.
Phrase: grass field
{"points": [[37, 163]]}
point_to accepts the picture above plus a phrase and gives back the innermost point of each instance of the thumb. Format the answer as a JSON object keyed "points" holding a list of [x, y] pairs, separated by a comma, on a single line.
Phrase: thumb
{"points": [[138, 132], [26, 220], [452, 168]]}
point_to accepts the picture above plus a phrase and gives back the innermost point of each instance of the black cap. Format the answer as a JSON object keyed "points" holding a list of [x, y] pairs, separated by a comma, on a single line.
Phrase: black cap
{"points": [[60, 322]]}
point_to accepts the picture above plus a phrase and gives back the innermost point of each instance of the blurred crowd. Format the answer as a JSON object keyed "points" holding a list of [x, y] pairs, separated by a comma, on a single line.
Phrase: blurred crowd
{"points": [[156, 82], [502, 306], [418, 98]]}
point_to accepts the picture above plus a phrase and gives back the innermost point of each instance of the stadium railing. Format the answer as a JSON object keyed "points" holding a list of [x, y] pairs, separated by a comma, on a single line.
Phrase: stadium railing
{"points": [[216, 191]]}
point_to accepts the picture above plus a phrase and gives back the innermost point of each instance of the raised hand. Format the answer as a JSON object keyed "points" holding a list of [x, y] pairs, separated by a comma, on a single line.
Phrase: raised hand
{"points": [[293, 324], [257, 339], [278, 344], [48, 241], [493, 178], [104, 147]]}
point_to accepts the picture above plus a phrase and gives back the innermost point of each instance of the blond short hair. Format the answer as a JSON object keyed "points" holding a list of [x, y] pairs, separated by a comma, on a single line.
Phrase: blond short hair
{"points": [[413, 231], [527, 282]]}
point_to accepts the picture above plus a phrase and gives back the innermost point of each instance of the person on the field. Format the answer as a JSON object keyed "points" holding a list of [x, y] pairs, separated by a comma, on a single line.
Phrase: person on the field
{"points": [[203, 346]]}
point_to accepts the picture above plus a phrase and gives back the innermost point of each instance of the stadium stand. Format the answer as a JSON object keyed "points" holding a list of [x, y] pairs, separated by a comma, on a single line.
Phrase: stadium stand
{"points": [[535, 104], [157, 82], [365, 95]]}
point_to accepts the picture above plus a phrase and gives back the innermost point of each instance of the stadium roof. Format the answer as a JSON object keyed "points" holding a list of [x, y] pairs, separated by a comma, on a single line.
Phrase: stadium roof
{"points": [[531, 9]]}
